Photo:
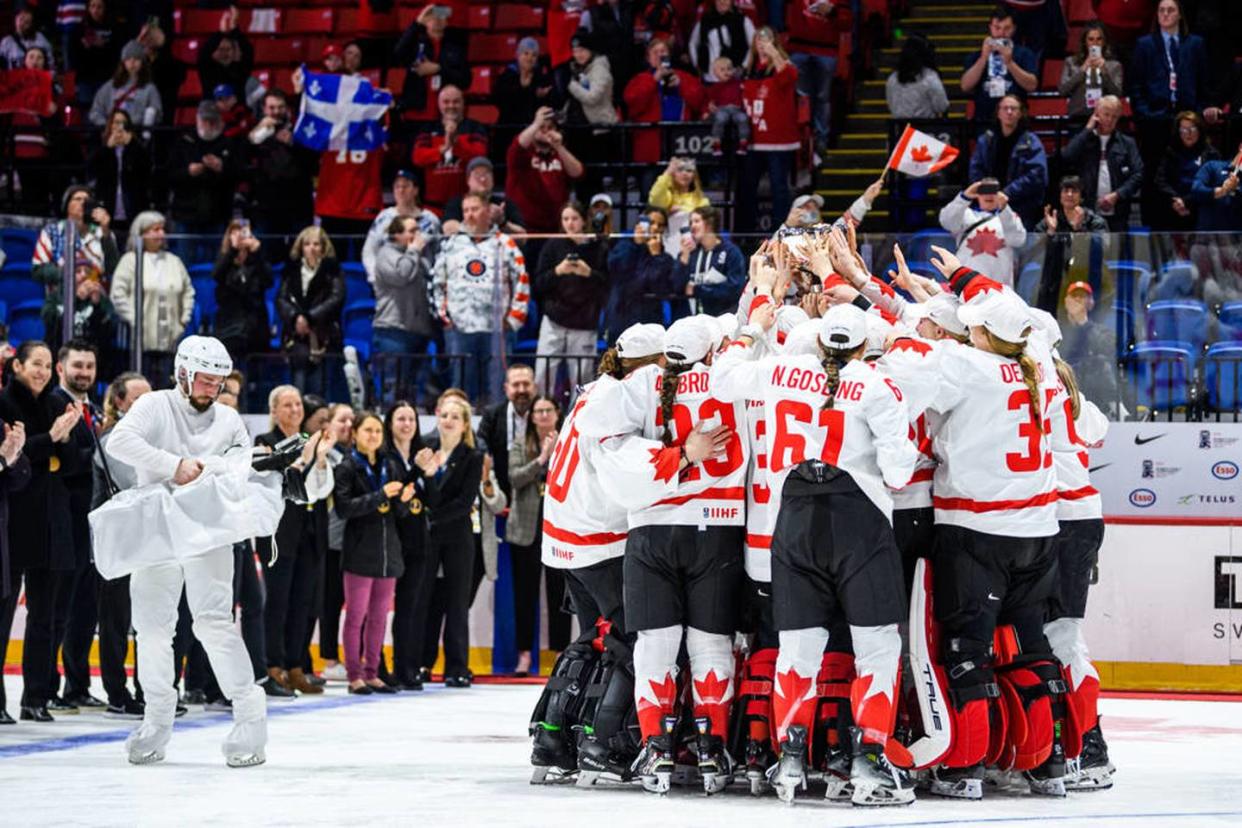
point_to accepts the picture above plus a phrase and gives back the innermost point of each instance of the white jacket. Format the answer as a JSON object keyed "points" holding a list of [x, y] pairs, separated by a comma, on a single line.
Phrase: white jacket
{"points": [[167, 298], [988, 247]]}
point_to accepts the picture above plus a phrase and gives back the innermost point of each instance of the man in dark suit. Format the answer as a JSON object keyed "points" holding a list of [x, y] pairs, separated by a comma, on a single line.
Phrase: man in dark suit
{"points": [[1102, 144], [505, 422]]}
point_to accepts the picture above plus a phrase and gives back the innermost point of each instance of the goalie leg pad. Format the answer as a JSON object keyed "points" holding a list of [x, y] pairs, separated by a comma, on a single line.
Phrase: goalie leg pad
{"points": [[753, 705], [559, 707], [1035, 700], [972, 690]]}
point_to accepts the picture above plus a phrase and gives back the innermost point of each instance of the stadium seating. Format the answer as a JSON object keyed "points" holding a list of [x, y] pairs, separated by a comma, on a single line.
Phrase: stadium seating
{"points": [[1160, 373], [356, 326], [1222, 376], [26, 321], [18, 244], [1184, 320], [1230, 318]]}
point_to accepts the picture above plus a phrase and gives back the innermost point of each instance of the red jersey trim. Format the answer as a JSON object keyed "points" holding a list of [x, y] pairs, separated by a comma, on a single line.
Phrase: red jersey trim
{"points": [[565, 536], [759, 541], [965, 504], [730, 493], [1078, 494], [922, 476]]}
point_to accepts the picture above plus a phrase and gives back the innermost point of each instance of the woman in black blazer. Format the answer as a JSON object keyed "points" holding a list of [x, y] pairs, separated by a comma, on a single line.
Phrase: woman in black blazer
{"points": [[451, 479], [310, 301], [40, 542], [14, 476], [402, 442]]}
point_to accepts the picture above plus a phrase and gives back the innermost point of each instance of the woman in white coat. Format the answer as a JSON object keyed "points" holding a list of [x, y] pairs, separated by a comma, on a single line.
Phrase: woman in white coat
{"points": [[167, 292]]}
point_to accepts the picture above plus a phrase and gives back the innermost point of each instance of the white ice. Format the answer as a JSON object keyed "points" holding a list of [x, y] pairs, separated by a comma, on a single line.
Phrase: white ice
{"points": [[459, 757]]}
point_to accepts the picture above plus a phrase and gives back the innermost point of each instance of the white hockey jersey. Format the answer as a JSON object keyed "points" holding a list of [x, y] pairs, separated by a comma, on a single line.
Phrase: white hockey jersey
{"points": [[1077, 499], [584, 517], [711, 493], [863, 434], [996, 473], [917, 494]]}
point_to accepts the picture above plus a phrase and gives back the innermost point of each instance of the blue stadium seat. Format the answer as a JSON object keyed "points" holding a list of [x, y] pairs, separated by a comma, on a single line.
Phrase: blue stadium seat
{"points": [[356, 322], [919, 245], [1160, 373], [1222, 375], [18, 244], [1230, 318], [1123, 320], [16, 285], [1185, 320], [204, 303], [1177, 280], [1028, 281], [26, 321], [4, 313], [1132, 281]]}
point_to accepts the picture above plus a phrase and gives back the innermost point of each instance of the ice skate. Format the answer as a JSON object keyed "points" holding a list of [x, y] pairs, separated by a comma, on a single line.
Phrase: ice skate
{"points": [[655, 765], [758, 759], [551, 756], [245, 760], [596, 762], [838, 787], [957, 783], [876, 781], [715, 763], [1091, 771], [789, 773], [145, 746], [1047, 780]]}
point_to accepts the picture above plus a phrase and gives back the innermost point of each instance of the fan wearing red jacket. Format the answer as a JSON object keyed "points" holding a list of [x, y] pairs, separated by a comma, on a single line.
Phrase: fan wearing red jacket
{"points": [[443, 152], [771, 97], [661, 93]]}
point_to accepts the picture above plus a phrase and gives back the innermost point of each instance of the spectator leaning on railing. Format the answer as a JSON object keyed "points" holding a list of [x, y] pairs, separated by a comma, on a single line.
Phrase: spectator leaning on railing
{"points": [[1061, 225], [310, 301], [710, 270], [1108, 163]]}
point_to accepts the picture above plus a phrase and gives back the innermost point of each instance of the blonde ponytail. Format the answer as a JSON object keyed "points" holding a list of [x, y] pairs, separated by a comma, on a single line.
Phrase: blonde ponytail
{"points": [[1070, 380], [1030, 372]]}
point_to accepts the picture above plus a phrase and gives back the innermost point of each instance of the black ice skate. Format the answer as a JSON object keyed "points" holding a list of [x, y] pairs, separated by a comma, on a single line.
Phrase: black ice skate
{"points": [[957, 783], [551, 756], [1048, 779], [789, 773], [838, 787], [655, 765], [876, 781], [759, 758], [715, 763], [597, 762], [1091, 771]]}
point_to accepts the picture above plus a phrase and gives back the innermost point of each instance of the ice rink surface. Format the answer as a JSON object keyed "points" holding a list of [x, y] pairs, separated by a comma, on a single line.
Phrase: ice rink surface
{"points": [[454, 757]]}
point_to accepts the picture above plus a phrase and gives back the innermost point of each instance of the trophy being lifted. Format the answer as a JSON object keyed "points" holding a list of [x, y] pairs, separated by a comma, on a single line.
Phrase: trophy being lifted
{"points": [[798, 243]]}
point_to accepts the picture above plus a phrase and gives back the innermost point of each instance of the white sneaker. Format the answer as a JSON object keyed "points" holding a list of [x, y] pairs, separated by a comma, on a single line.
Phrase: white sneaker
{"points": [[335, 673]]}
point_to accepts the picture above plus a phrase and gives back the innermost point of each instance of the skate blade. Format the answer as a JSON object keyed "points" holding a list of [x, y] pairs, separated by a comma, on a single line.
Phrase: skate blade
{"points": [[1092, 779], [872, 795], [658, 783], [551, 775], [758, 781], [149, 757], [1052, 788], [245, 760], [714, 783], [837, 789], [971, 789], [787, 788]]}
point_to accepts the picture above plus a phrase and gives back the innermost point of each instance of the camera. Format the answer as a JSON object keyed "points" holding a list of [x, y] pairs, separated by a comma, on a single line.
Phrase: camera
{"points": [[599, 221], [1002, 42]]}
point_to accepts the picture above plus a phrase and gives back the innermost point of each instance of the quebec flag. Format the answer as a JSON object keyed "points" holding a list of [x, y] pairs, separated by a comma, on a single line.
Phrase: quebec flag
{"points": [[340, 112]]}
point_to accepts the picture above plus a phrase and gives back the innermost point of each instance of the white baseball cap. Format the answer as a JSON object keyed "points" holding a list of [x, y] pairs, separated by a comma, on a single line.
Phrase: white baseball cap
{"points": [[789, 317], [1046, 322], [803, 339], [843, 327], [878, 330], [941, 309], [642, 340], [1002, 313], [690, 340], [728, 324]]}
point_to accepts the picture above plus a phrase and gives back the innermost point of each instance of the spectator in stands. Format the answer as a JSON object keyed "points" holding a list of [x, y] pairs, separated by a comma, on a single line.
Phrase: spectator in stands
{"points": [[1215, 193], [444, 152], [639, 275], [242, 278], [1039, 26], [120, 171], [406, 203], [658, 92], [710, 270], [1092, 73], [310, 301], [39, 543], [351, 58], [331, 59], [570, 287], [36, 152], [611, 23], [227, 56], [94, 317], [540, 172], [95, 249], [1187, 153], [434, 57], [722, 30], [1124, 20], [1011, 153], [914, 89], [204, 170], [813, 38], [1059, 225], [520, 90], [999, 68], [481, 181], [725, 106], [528, 469], [587, 84], [25, 37], [770, 92], [463, 294], [677, 191], [237, 117], [167, 292], [1089, 347], [280, 173], [167, 72], [130, 89], [94, 49], [987, 234], [403, 323], [1107, 162]]}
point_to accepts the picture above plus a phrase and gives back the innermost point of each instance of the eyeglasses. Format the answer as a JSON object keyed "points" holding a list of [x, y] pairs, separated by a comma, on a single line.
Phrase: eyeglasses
{"points": [[545, 411], [1188, 130]]}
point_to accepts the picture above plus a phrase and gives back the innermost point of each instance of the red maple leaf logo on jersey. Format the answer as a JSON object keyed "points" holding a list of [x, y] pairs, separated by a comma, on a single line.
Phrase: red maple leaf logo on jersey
{"points": [[921, 155], [666, 461], [979, 286], [909, 344], [985, 241], [711, 690]]}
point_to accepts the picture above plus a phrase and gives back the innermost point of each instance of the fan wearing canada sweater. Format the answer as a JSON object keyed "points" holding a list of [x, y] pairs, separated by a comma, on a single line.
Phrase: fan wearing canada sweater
{"points": [[683, 554]]}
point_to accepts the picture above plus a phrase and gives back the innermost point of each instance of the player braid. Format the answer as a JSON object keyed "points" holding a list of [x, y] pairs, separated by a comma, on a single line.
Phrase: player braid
{"points": [[668, 395], [832, 359], [610, 364], [1070, 380], [1030, 372]]}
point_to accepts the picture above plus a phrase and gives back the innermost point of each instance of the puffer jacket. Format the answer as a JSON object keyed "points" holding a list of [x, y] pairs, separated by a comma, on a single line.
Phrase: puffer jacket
{"points": [[463, 280], [372, 545]]}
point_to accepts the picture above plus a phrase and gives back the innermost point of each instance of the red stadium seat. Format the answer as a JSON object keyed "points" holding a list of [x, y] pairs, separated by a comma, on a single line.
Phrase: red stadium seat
{"points": [[1053, 107], [191, 88], [279, 51], [497, 48], [373, 75], [196, 21], [395, 79], [512, 17], [481, 82], [307, 21], [478, 18], [186, 50], [1079, 11], [483, 113], [347, 22], [1052, 75], [185, 115]]}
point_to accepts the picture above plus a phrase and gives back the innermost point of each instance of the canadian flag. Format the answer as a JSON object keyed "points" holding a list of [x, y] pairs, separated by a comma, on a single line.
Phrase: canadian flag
{"points": [[918, 154]]}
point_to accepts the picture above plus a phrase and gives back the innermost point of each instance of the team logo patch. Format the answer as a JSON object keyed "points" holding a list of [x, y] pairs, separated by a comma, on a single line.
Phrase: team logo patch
{"points": [[475, 268]]}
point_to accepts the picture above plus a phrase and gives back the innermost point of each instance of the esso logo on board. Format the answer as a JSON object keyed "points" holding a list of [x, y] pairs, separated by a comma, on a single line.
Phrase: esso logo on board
{"points": [[1142, 498], [1225, 470]]}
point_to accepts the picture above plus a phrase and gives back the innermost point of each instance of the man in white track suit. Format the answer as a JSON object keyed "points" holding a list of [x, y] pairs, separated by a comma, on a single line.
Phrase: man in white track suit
{"points": [[180, 435]]}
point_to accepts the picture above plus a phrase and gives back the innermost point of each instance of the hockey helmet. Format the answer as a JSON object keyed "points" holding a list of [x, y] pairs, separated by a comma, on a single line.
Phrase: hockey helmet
{"points": [[200, 355]]}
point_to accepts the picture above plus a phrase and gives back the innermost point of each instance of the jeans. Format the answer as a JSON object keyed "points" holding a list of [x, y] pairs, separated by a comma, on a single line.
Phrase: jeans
{"points": [[726, 115], [778, 165], [575, 345], [479, 373], [815, 74], [395, 385]]}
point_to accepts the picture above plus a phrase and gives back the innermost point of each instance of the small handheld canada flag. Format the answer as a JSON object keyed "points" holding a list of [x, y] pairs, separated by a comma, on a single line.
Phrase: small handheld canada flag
{"points": [[919, 154]]}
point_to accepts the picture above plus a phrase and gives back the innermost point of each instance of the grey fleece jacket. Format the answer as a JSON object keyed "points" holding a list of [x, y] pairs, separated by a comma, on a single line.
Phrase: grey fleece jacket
{"points": [[402, 298]]}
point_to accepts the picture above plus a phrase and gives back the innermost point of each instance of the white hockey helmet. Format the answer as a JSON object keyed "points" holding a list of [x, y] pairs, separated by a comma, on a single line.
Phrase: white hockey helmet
{"points": [[200, 355]]}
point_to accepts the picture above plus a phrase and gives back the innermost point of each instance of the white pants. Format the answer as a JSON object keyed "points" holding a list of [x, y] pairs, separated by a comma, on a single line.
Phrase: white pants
{"points": [[557, 339], [155, 592]]}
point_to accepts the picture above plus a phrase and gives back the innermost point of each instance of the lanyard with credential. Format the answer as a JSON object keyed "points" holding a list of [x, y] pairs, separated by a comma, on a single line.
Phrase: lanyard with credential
{"points": [[376, 483]]}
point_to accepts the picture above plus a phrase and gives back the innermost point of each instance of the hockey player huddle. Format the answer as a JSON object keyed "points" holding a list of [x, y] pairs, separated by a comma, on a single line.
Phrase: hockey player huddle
{"points": [[852, 549]]}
